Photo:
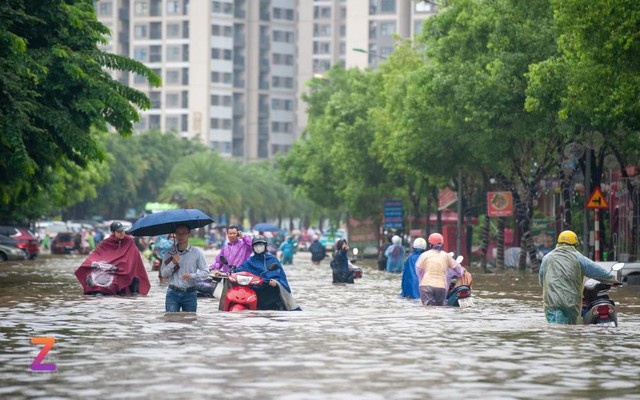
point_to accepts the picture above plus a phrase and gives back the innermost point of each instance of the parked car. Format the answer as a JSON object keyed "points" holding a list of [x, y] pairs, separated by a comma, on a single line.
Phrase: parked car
{"points": [[65, 243], [11, 253], [629, 274], [27, 241]]}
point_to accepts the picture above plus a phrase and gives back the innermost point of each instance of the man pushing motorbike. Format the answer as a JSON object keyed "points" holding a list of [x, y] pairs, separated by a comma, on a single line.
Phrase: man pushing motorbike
{"points": [[561, 275]]}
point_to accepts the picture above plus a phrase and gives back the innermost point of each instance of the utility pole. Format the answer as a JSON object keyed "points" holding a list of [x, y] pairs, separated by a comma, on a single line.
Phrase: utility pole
{"points": [[460, 216]]}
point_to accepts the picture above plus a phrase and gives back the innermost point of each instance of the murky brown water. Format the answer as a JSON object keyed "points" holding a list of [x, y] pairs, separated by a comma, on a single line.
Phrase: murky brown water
{"points": [[350, 342]]}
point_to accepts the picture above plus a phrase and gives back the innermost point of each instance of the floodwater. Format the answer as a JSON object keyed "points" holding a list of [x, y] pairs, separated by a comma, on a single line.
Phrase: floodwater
{"points": [[349, 342]]}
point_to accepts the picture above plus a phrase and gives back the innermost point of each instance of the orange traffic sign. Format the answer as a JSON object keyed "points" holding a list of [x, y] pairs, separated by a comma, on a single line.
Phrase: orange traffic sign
{"points": [[597, 199]]}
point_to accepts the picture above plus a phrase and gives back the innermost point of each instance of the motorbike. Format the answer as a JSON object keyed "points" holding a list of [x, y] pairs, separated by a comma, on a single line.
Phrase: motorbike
{"points": [[357, 271], [238, 293], [207, 287], [597, 307], [459, 296]]}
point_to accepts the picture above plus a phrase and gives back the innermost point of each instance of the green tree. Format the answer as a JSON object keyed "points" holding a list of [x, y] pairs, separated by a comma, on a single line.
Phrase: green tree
{"points": [[334, 165], [54, 86]]}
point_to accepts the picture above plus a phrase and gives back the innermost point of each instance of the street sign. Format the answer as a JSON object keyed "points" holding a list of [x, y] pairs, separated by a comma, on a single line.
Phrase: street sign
{"points": [[393, 214], [597, 200], [446, 197], [499, 204]]}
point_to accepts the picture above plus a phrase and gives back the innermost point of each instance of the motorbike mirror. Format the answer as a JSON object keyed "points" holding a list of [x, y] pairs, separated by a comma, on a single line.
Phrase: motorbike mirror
{"points": [[355, 251], [617, 267], [459, 259], [591, 284], [223, 260], [273, 267]]}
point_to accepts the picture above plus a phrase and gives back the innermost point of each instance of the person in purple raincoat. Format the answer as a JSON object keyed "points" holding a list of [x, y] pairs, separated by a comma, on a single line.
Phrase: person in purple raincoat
{"points": [[236, 252]]}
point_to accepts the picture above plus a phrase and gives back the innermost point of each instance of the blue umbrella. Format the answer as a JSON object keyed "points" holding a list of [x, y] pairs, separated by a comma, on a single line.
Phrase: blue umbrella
{"points": [[165, 222], [265, 227]]}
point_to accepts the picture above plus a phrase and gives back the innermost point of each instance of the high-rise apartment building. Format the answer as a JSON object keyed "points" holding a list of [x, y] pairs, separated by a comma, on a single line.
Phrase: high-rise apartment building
{"points": [[371, 25], [228, 69], [234, 71]]}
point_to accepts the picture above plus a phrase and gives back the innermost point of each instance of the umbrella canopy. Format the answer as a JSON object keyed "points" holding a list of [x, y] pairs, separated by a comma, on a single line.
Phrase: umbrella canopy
{"points": [[165, 222], [265, 227]]}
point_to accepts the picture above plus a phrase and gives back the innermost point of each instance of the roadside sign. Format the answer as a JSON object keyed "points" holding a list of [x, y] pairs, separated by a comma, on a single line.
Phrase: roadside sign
{"points": [[446, 197], [499, 204], [597, 200], [393, 214]]}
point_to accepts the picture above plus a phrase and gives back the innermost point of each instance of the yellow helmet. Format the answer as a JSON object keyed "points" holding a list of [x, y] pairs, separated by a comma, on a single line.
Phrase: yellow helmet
{"points": [[568, 237]]}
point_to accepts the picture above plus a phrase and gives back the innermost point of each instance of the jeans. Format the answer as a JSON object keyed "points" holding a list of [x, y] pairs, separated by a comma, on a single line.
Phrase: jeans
{"points": [[175, 300]]}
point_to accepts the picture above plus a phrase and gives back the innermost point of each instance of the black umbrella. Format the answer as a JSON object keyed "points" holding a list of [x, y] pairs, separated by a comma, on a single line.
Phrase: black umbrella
{"points": [[165, 222]]}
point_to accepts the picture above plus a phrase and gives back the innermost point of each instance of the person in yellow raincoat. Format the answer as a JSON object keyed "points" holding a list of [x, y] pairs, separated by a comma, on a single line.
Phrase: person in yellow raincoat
{"points": [[561, 276]]}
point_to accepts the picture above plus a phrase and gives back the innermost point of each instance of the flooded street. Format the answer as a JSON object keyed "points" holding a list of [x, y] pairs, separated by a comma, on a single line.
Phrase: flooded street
{"points": [[349, 342]]}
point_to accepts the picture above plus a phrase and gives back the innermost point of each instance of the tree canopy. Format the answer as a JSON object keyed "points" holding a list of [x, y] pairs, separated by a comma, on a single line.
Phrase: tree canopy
{"points": [[54, 87]]}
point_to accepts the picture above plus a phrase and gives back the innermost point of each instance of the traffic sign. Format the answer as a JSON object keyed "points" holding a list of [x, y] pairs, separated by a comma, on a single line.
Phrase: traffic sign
{"points": [[597, 200], [393, 214]]}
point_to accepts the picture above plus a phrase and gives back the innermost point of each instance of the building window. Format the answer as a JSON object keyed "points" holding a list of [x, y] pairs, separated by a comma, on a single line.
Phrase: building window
{"points": [[173, 53], [156, 100], [320, 66], [156, 8], [173, 101], [173, 7], [154, 122], [184, 122], [321, 30], [105, 9], [173, 31], [387, 29], [141, 8], [321, 48], [140, 54], [155, 54], [321, 12], [173, 77], [171, 124], [140, 31], [155, 30]]}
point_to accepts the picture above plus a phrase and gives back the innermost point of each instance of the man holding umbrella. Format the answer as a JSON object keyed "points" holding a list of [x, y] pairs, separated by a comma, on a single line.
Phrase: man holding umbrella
{"points": [[184, 266]]}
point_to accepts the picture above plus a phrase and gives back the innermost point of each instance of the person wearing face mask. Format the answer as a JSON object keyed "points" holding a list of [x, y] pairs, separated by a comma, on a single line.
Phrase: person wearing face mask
{"points": [[275, 293]]}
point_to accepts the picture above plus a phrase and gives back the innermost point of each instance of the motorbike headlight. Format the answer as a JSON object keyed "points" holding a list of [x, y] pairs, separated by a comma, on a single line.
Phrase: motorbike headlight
{"points": [[244, 280]]}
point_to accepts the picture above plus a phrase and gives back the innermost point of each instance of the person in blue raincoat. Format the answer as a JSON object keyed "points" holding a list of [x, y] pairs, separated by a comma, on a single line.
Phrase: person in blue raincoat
{"points": [[286, 251], [275, 293], [395, 255], [410, 281]]}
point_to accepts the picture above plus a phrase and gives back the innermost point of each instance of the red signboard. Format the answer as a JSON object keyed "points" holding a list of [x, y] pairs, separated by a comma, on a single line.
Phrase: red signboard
{"points": [[499, 204], [446, 197]]}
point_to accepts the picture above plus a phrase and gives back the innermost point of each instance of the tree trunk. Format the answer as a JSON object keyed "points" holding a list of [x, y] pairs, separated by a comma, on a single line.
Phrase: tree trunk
{"points": [[500, 250], [485, 242]]}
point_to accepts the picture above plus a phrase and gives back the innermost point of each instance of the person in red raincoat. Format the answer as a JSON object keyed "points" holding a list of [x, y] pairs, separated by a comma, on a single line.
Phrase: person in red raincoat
{"points": [[114, 267]]}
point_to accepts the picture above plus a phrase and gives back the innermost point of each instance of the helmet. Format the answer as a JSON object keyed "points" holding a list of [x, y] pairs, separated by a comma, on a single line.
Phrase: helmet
{"points": [[435, 239], [258, 239], [396, 239], [420, 243], [116, 226], [568, 237]]}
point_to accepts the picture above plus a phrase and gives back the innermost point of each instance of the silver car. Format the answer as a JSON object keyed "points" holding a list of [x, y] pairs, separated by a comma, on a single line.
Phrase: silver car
{"points": [[11, 253]]}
